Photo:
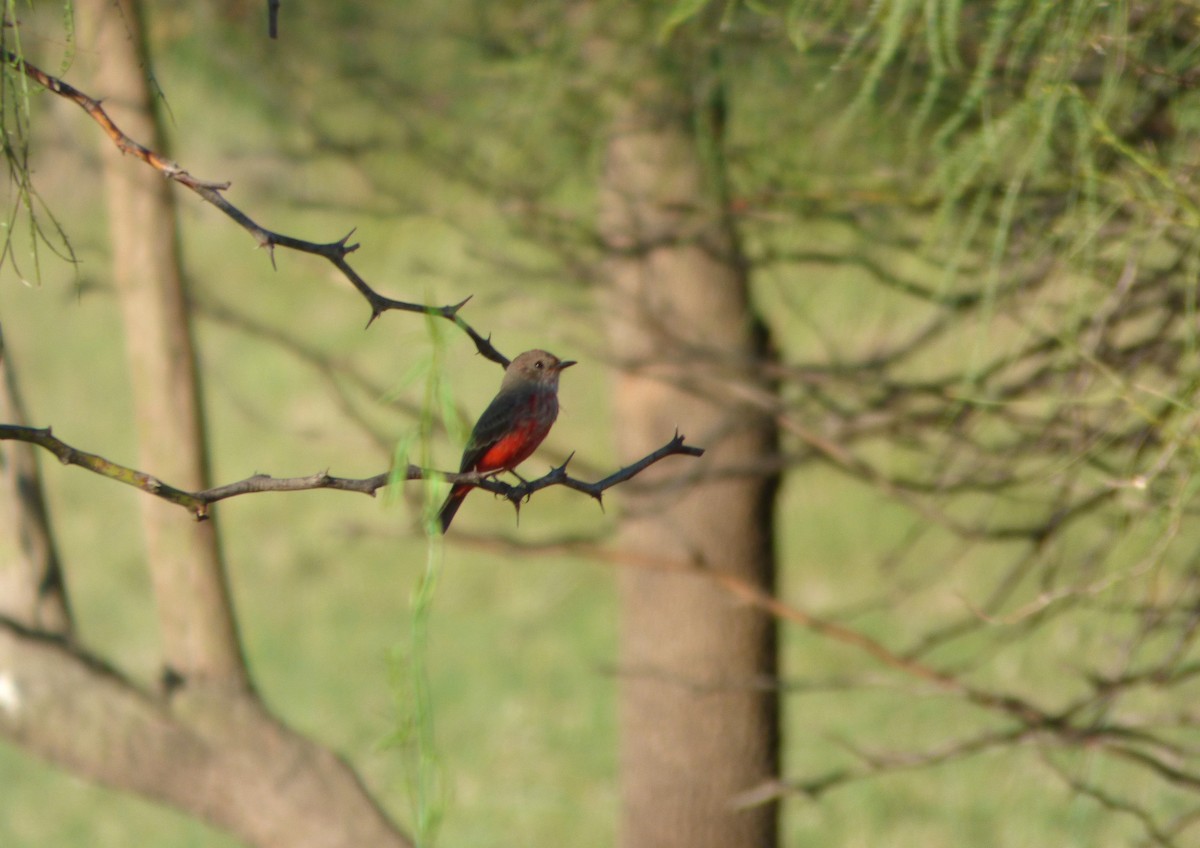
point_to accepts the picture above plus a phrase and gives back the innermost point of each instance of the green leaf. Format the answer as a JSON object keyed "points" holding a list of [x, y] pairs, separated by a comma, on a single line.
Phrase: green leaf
{"points": [[683, 11]]}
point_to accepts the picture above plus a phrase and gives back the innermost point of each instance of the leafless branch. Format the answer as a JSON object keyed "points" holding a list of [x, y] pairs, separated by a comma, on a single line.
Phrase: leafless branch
{"points": [[1156, 833], [335, 252], [558, 476], [198, 502]]}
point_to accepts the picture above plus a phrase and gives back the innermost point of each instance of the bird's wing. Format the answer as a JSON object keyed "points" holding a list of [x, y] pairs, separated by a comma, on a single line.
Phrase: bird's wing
{"points": [[491, 427]]}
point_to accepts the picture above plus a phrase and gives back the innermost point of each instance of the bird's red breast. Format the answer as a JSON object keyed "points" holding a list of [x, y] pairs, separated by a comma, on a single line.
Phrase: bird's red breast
{"points": [[515, 446]]}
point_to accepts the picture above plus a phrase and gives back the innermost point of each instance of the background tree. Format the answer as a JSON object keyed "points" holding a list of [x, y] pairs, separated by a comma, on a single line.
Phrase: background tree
{"points": [[696, 727]]}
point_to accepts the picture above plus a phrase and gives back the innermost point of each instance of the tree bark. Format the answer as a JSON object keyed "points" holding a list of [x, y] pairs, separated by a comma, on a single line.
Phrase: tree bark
{"points": [[200, 643], [698, 716]]}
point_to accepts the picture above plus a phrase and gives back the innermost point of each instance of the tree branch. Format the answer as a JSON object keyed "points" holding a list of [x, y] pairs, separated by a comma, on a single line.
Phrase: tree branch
{"points": [[198, 502], [558, 476], [225, 760], [67, 455], [335, 252]]}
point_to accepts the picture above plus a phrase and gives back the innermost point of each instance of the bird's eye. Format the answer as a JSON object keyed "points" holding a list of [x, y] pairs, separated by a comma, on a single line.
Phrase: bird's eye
{"points": [[539, 364]]}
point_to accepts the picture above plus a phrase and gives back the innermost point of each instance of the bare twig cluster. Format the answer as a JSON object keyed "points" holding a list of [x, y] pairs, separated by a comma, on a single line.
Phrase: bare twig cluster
{"points": [[1054, 461]]}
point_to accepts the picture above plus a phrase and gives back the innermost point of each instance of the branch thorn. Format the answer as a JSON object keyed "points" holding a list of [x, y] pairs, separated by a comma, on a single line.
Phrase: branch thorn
{"points": [[342, 242], [452, 311]]}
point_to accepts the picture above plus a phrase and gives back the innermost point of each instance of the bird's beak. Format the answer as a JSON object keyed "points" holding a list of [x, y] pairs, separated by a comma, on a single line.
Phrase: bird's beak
{"points": [[566, 364]]}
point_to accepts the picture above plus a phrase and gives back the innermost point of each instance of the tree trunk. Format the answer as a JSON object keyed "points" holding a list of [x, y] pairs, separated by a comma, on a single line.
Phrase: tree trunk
{"points": [[200, 643], [32, 592], [698, 716]]}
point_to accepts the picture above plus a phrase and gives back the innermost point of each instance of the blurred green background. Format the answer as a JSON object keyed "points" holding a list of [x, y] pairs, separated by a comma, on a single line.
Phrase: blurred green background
{"points": [[357, 118]]}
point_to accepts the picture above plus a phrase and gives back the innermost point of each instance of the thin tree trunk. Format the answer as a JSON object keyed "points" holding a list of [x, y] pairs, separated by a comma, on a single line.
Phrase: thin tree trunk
{"points": [[32, 592], [200, 642], [698, 726]]}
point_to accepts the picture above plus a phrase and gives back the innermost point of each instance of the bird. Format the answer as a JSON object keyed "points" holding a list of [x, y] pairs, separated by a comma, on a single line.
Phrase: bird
{"points": [[514, 423]]}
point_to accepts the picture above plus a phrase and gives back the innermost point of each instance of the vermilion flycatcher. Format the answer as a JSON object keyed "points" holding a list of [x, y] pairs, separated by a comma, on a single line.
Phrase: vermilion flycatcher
{"points": [[514, 423]]}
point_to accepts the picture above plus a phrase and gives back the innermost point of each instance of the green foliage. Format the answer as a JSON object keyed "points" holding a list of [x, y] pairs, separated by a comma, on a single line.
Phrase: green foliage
{"points": [[681, 12], [413, 731], [26, 210], [1006, 107]]}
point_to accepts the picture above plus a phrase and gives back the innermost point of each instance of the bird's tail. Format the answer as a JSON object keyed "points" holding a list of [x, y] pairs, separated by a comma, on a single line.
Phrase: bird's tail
{"points": [[453, 501]]}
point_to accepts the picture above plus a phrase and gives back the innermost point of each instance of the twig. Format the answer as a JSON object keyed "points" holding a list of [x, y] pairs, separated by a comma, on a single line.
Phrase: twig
{"points": [[1111, 802], [335, 252], [273, 18], [1027, 713]]}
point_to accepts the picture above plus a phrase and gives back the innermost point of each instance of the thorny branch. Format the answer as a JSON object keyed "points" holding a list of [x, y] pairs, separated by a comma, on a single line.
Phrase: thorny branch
{"points": [[198, 502], [335, 252], [558, 476]]}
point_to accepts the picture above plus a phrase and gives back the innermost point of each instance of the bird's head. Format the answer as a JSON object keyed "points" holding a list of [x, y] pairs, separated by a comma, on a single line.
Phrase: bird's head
{"points": [[536, 366]]}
